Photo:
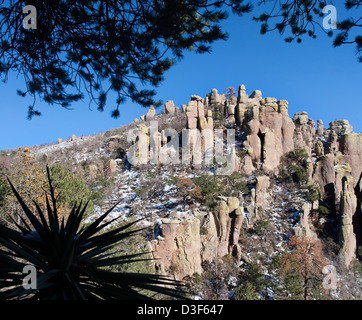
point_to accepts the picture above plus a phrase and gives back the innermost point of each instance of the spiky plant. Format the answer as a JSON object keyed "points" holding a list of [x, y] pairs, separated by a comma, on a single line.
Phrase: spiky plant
{"points": [[69, 259]]}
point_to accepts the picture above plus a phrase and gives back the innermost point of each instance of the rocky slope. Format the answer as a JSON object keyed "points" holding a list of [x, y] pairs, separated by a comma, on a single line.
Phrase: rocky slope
{"points": [[290, 169]]}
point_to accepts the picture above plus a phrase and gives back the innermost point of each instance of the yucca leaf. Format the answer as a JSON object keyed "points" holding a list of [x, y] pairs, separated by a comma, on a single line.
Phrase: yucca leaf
{"points": [[75, 218], [33, 220], [42, 219], [97, 262], [112, 236], [93, 228], [22, 229], [24, 252], [53, 222], [54, 201], [9, 263]]}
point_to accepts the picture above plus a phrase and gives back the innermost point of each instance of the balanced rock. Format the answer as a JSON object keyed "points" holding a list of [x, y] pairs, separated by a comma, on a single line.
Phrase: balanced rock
{"points": [[341, 127], [169, 107], [151, 113]]}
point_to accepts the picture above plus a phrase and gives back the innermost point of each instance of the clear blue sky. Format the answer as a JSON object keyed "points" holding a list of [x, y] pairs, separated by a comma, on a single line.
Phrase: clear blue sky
{"points": [[313, 76]]}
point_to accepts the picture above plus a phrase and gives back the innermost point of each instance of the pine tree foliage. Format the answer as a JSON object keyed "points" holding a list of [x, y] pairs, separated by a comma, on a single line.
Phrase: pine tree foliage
{"points": [[123, 48], [297, 18], [99, 47]]}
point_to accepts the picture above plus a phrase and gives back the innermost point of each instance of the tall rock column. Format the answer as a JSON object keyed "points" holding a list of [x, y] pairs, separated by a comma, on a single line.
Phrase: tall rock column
{"points": [[177, 251], [207, 136], [231, 102], [229, 217], [241, 105], [288, 127], [351, 147], [347, 236], [253, 142]]}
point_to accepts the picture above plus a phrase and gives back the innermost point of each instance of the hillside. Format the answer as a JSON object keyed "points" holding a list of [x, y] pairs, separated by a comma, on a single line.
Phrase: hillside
{"points": [[262, 206]]}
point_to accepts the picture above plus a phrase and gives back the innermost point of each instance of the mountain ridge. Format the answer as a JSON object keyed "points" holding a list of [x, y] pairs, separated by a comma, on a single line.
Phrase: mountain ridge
{"points": [[290, 177]]}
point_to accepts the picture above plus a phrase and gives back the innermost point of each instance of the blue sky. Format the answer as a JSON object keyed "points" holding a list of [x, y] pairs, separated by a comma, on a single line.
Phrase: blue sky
{"points": [[313, 76]]}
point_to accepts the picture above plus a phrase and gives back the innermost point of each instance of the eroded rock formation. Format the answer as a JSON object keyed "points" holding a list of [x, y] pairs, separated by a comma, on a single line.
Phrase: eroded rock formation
{"points": [[177, 250], [268, 133]]}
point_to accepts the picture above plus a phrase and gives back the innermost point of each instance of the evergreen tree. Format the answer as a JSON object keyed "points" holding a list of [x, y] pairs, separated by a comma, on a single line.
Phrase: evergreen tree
{"points": [[104, 46], [70, 188], [303, 265]]}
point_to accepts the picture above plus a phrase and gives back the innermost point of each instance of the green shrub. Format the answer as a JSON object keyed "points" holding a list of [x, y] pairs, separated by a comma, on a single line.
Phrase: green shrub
{"points": [[72, 189], [211, 187], [359, 253], [314, 193], [297, 174], [293, 166], [246, 291], [323, 211]]}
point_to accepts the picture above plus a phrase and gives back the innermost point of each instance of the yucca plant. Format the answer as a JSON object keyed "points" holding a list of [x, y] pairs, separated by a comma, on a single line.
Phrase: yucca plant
{"points": [[70, 260]]}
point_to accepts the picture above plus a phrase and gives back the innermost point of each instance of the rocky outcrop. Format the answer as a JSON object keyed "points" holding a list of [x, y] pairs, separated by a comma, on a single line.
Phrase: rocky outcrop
{"points": [[182, 245], [195, 110], [305, 132], [357, 222], [177, 250], [169, 107], [341, 127], [267, 133], [303, 229], [229, 217], [214, 98], [231, 103], [350, 145], [151, 113], [270, 131], [347, 236], [262, 192], [110, 168]]}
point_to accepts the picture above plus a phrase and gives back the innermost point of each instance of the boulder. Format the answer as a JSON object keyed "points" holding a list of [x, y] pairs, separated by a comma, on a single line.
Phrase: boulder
{"points": [[151, 113], [209, 238], [271, 151], [341, 127], [206, 122], [320, 130], [214, 98], [110, 168], [246, 165], [301, 118], [230, 108], [169, 107]]}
